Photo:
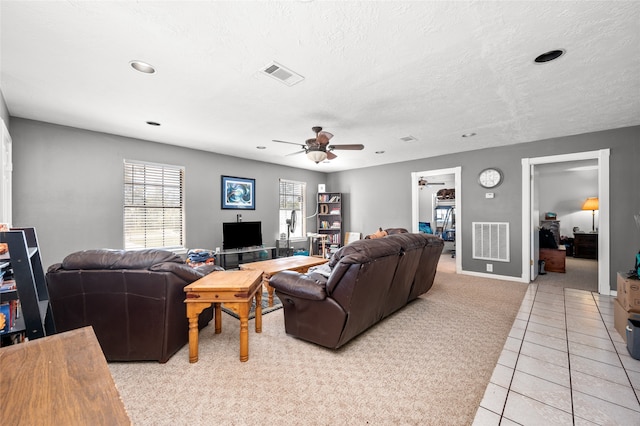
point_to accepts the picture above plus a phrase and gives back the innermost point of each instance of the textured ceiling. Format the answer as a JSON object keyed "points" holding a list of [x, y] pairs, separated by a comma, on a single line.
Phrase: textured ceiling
{"points": [[374, 72]]}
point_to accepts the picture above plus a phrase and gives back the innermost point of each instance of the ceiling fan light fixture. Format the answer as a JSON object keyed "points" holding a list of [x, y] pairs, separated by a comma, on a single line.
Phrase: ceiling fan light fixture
{"points": [[317, 156]]}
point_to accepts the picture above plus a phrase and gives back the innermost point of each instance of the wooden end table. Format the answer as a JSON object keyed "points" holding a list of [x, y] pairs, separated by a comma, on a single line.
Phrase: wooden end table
{"points": [[273, 266], [236, 289]]}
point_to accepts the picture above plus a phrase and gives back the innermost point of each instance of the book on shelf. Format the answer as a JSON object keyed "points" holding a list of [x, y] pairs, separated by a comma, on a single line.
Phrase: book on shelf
{"points": [[334, 211], [328, 198]]}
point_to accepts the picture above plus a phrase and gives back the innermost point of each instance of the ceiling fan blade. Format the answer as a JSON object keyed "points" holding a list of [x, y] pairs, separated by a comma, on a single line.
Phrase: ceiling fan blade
{"points": [[331, 155], [323, 138], [295, 153], [290, 143], [353, 147]]}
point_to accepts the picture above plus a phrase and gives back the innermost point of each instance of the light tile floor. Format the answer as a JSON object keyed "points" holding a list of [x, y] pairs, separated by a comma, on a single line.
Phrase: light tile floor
{"points": [[563, 364]]}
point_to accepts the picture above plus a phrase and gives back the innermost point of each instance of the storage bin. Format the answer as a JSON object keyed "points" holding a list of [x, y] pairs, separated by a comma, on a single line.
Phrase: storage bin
{"points": [[633, 338]]}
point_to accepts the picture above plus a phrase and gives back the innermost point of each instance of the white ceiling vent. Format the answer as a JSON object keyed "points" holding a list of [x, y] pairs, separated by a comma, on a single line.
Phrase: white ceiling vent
{"points": [[409, 139], [282, 74]]}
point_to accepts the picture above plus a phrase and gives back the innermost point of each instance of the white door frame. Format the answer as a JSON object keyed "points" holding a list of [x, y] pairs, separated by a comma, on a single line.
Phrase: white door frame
{"points": [[604, 249], [415, 204]]}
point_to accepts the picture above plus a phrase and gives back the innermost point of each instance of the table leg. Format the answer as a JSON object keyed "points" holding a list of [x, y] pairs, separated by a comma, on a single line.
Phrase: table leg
{"points": [[265, 283], [259, 310], [193, 311], [218, 317], [243, 309]]}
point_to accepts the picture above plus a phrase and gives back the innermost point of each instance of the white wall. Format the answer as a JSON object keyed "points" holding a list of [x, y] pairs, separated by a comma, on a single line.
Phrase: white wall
{"points": [[563, 187]]}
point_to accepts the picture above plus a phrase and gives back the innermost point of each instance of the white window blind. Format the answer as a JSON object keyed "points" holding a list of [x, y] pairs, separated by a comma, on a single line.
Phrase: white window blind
{"points": [[292, 197], [153, 206]]}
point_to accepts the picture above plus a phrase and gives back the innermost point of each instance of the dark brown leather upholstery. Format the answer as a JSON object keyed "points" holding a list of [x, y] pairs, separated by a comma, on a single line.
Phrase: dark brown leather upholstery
{"points": [[361, 284], [134, 300]]}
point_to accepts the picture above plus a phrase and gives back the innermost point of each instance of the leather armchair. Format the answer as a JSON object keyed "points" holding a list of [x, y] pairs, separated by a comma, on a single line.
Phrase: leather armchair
{"points": [[134, 300]]}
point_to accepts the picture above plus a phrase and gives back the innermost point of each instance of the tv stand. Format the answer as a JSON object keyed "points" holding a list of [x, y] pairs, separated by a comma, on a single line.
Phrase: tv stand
{"points": [[222, 256]]}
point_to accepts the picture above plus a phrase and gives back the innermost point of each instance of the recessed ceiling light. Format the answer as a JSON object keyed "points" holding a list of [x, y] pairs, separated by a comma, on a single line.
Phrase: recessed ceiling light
{"points": [[142, 67], [409, 139], [153, 123], [550, 56], [379, 152], [261, 147], [468, 135]]}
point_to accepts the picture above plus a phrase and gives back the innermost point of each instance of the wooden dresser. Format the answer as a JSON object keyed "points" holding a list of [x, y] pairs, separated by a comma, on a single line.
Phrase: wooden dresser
{"points": [[585, 245], [61, 379]]}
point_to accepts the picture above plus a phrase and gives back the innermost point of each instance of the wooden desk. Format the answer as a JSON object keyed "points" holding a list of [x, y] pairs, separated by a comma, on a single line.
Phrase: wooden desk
{"points": [[273, 266], [61, 379], [585, 245], [236, 289]]}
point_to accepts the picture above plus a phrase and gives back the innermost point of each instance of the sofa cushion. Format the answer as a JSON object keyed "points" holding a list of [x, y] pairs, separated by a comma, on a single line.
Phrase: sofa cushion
{"points": [[118, 259]]}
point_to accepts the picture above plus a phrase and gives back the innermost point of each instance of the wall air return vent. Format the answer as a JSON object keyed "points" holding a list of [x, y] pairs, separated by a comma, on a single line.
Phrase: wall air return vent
{"points": [[282, 74], [491, 241]]}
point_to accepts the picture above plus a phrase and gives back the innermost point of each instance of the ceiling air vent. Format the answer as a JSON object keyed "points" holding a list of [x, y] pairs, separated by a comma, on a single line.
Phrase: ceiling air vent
{"points": [[282, 74], [409, 139]]}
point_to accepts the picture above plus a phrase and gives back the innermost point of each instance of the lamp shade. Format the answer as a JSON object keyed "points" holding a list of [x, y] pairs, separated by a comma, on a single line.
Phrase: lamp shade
{"points": [[590, 204], [317, 156]]}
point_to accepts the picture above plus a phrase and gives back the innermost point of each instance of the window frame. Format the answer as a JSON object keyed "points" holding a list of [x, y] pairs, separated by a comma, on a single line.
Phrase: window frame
{"points": [[301, 218], [165, 189]]}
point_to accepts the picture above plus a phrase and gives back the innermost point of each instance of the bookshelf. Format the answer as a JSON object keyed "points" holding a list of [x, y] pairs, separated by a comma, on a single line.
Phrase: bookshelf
{"points": [[29, 310], [330, 219]]}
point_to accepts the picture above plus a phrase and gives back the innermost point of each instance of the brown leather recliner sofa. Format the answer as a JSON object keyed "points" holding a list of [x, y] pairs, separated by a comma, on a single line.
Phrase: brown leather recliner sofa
{"points": [[363, 283], [134, 300]]}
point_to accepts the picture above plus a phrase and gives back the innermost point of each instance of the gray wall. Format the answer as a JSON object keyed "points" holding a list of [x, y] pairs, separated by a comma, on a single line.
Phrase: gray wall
{"points": [[381, 196], [67, 183]]}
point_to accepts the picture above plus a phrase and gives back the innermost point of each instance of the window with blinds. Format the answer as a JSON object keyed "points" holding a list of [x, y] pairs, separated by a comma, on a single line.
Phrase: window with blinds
{"points": [[153, 206], [292, 195]]}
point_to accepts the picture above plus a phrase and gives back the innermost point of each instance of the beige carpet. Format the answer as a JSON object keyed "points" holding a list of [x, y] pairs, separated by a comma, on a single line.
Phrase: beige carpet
{"points": [[581, 274], [428, 364]]}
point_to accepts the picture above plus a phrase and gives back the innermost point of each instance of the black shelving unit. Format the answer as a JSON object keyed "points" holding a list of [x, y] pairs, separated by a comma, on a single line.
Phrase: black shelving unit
{"points": [[23, 262]]}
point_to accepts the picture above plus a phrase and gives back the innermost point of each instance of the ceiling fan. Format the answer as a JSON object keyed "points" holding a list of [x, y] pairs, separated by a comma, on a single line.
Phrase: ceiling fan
{"points": [[422, 182], [318, 148]]}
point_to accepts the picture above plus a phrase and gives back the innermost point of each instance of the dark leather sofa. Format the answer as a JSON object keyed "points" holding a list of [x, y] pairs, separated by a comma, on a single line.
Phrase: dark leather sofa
{"points": [[134, 300], [363, 283]]}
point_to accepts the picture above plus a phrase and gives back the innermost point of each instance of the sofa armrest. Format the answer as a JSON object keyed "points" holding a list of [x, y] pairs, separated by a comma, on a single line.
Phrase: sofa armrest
{"points": [[310, 287]]}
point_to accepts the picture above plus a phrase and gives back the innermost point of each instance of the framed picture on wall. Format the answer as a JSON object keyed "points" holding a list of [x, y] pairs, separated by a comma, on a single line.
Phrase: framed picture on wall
{"points": [[238, 193]]}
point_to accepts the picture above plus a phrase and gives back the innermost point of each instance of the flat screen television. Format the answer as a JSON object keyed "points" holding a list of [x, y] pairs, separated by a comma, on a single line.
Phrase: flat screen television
{"points": [[237, 235]]}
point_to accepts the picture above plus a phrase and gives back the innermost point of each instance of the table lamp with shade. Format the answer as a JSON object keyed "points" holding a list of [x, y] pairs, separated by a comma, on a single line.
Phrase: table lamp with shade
{"points": [[591, 204]]}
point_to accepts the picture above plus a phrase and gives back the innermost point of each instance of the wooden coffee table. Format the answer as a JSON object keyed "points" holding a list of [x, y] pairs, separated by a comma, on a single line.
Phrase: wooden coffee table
{"points": [[273, 266], [236, 289]]}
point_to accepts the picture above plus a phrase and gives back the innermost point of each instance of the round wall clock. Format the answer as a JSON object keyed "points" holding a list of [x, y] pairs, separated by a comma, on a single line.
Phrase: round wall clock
{"points": [[490, 178]]}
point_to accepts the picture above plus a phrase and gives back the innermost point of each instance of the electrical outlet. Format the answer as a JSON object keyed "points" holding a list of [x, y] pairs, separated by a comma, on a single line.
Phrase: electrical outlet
{"points": [[489, 267]]}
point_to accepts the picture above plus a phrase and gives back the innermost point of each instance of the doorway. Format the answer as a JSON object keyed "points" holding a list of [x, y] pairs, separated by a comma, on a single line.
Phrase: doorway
{"points": [[531, 214], [424, 189]]}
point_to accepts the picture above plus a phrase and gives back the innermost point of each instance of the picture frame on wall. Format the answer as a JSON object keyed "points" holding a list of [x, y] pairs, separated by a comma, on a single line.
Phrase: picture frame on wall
{"points": [[238, 193]]}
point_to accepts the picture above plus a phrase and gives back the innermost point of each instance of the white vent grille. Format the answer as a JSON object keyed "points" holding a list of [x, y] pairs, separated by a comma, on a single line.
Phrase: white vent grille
{"points": [[491, 241], [409, 139], [282, 74]]}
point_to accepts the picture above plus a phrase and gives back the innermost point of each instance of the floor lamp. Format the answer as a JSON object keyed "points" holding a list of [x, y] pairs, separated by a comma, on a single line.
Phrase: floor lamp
{"points": [[591, 204]]}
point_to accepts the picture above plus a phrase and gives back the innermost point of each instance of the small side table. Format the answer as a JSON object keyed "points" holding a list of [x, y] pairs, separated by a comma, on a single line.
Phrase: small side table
{"points": [[236, 289]]}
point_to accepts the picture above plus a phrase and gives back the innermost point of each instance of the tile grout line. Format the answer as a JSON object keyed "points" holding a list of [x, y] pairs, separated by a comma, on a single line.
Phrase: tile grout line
{"points": [[624, 368], [566, 332], [504, 406]]}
